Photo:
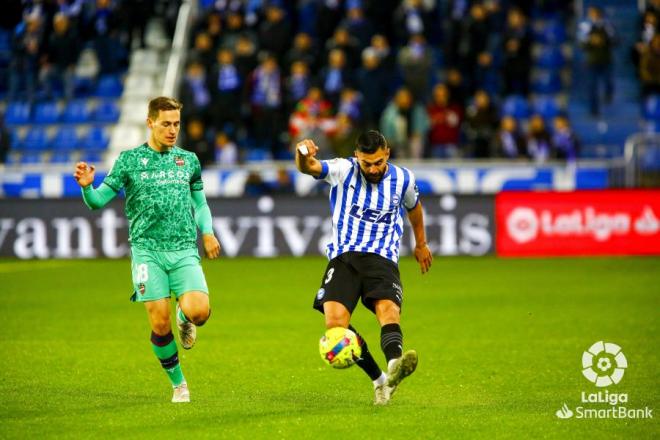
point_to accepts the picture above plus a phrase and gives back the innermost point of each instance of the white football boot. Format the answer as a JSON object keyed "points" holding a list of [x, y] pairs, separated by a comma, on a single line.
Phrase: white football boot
{"points": [[382, 394], [400, 369], [181, 394], [187, 331]]}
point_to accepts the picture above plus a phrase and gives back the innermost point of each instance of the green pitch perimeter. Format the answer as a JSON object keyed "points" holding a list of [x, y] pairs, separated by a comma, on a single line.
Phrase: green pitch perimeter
{"points": [[500, 345]]}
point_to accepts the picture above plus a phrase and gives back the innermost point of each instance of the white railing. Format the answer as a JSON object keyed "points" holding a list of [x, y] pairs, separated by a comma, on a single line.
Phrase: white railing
{"points": [[187, 13]]}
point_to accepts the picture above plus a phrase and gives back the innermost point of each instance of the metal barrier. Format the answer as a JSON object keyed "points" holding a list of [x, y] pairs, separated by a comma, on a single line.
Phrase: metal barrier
{"points": [[642, 160]]}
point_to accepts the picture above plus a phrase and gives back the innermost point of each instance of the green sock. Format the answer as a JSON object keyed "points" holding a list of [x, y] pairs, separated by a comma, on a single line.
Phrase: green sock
{"points": [[165, 349], [181, 316]]}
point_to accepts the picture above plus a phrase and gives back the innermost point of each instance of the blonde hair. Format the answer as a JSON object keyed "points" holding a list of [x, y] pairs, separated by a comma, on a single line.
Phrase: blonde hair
{"points": [[162, 103]]}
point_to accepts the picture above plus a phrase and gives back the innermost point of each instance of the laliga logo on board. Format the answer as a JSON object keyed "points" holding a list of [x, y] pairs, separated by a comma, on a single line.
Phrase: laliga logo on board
{"points": [[524, 224]]}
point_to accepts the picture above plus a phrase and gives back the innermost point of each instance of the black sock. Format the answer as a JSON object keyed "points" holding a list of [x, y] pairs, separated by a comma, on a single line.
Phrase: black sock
{"points": [[391, 341], [366, 361]]}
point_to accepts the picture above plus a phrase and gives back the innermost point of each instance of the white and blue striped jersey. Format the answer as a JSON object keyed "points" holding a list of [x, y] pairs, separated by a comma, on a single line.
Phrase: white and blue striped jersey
{"points": [[367, 217]]}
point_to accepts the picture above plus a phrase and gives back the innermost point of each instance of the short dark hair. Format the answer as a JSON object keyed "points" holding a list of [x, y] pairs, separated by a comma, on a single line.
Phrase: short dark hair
{"points": [[162, 103], [370, 141]]}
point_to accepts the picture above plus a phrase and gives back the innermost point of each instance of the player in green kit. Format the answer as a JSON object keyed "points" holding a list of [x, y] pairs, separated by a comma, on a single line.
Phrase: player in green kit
{"points": [[163, 186]]}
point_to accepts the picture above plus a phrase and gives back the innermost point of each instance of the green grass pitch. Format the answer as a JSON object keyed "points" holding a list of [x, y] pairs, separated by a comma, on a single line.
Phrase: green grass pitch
{"points": [[500, 344]]}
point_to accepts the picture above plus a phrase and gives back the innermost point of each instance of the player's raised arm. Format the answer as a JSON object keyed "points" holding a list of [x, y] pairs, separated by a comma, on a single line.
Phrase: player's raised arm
{"points": [[93, 198], [306, 160], [422, 252]]}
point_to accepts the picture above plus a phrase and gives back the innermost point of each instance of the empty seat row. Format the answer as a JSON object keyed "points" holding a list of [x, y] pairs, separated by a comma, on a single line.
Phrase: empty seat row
{"points": [[74, 112], [66, 138]]}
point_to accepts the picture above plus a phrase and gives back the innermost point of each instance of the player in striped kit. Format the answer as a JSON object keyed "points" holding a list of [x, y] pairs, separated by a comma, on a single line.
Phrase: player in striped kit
{"points": [[366, 196]]}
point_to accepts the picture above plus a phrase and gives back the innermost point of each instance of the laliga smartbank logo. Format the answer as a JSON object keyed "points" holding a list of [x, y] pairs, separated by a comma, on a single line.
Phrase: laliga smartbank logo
{"points": [[604, 364]]}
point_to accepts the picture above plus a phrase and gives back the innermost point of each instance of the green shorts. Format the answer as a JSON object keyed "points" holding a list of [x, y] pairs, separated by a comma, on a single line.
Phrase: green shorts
{"points": [[157, 273]]}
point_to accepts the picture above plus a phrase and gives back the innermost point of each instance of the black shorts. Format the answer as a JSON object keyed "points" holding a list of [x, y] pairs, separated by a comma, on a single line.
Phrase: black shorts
{"points": [[359, 275]]}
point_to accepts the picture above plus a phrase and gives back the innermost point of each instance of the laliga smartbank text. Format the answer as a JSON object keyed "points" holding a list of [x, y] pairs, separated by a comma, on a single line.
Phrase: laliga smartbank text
{"points": [[617, 409]]}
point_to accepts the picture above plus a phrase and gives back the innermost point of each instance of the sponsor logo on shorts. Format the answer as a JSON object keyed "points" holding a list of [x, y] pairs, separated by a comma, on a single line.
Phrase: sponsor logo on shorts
{"points": [[320, 294], [141, 288]]}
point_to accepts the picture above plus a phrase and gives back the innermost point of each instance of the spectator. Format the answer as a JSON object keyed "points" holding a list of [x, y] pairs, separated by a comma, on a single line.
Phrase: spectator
{"points": [[538, 140], [137, 13], [265, 97], [283, 183], [245, 55], [303, 50], [358, 25], [486, 76], [416, 62], [61, 57], [226, 152], [297, 84], [350, 104], [226, 88], [457, 91], [509, 143], [196, 141], [480, 125], [330, 13], [649, 68], [336, 75], [517, 54], [381, 47], [312, 117], [474, 40], [445, 120], [405, 125], [195, 94], [106, 43], [203, 50], [234, 29], [457, 11], [24, 63], [275, 32], [343, 136], [596, 35], [411, 18], [374, 83], [564, 141], [214, 29], [345, 42]]}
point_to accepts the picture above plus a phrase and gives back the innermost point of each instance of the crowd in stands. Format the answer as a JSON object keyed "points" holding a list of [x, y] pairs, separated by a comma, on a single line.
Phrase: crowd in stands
{"points": [[440, 79]]}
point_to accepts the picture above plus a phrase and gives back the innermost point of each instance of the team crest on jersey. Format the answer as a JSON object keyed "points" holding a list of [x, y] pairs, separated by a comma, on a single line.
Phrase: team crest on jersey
{"points": [[396, 199], [144, 161], [141, 288], [179, 161]]}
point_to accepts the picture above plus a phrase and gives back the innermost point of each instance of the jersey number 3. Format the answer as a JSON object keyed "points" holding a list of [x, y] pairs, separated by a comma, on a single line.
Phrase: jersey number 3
{"points": [[329, 275]]}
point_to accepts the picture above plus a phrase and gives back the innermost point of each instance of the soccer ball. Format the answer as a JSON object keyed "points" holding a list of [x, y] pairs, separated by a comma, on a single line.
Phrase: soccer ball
{"points": [[339, 347]]}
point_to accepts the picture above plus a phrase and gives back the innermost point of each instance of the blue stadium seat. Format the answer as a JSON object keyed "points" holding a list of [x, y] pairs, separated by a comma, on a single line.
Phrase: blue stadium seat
{"points": [[109, 86], [106, 111], [36, 139], [547, 83], [546, 106], [516, 106], [76, 112], [15, 141], [551, 57], [91, 157], [17, 113], [257, 155], [652, 108], [66, 139], [83, 87], [96, 139], [46, 113], [60, 157], [30, 157]]}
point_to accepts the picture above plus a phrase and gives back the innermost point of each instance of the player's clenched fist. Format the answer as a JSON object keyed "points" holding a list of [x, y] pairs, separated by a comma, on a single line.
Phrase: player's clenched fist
{"points": [[84, 174], [424, 257], [307, 148]]}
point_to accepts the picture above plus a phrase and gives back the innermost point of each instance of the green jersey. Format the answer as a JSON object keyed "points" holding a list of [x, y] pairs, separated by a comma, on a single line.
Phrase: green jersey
{"points": [[158, 196]]}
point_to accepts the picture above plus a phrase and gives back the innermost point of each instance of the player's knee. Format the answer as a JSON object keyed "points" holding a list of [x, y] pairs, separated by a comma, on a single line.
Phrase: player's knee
{"points": [[337, 320], [161, 326], [199, 317], [387, 312]]}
